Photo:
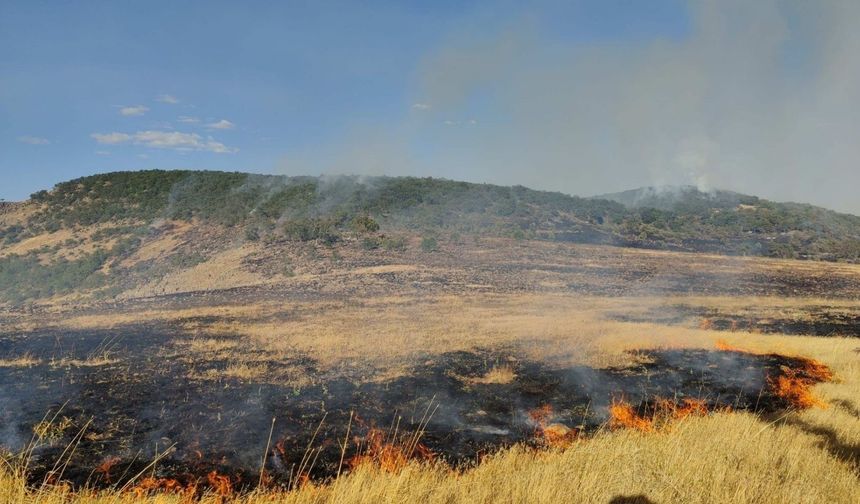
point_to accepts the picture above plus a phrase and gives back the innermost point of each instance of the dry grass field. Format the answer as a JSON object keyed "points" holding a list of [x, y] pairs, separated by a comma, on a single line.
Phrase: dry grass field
{"points": [[567, 307]]}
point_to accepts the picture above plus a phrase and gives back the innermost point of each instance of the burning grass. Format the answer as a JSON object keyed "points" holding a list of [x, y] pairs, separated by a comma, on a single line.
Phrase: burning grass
{"points": [[548, 431], [389, 453], [485, 400], [659, 414], [793, 385], [217, 432], [624, 415], [740, 468]]}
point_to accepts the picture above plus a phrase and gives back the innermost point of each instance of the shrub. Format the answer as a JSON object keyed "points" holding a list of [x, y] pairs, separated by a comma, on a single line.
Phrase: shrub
{"points": [[251, 234], [287, 268], [187, 260], [394, 243], [371, 243], [365, 224], [311, 229], [429, 244], [24, 277]]}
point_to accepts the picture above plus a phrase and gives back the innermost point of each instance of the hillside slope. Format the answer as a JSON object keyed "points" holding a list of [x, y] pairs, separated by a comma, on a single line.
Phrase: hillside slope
{"points": [[112, 232]]}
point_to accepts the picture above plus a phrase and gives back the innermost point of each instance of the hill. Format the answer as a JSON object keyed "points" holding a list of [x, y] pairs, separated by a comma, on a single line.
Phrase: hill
{"points": [[107, 232], [680, 198]]}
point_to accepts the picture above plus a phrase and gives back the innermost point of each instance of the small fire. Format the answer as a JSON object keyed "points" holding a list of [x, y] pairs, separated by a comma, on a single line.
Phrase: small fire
{"points": [[552, 434], [623, 416], [105, 467], [220, 483], [706, 324], [794, 385], [559, 435], [816, 371], [725, 346], [795, 391], [389, 455], [541, 415], [687, 408], [150, 484]]}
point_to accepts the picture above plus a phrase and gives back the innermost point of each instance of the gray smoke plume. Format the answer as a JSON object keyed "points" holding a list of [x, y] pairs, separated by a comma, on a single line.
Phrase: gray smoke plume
{"points": [[759, 97]]}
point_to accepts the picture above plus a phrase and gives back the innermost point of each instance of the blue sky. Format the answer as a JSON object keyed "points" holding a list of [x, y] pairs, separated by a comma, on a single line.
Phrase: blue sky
{"points": [[503, 92]]}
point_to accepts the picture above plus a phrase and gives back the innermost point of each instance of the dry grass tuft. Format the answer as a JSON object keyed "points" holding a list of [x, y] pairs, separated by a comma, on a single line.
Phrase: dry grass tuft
{"points": [[499, 374], [25, 360]]}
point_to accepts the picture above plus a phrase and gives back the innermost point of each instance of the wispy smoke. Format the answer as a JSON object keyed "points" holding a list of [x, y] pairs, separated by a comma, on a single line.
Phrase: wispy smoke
{"points": [[758, 97]]}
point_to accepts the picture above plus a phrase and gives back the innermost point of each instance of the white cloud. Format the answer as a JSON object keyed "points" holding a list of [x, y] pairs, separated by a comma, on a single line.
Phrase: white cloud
{"points": [[32, 140], [223, 124], [188, 119], [137, 110], [143, 156], [111, 138], [166, 98], [449, 122], [103, 153], [166, 140], [420, 106]]}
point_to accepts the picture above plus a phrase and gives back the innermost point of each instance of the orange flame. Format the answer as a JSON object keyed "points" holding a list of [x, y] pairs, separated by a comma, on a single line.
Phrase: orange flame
{"points": [[687, 408], [220, 483], [105, 467], [622, 415], [552, 434], [725, 346], [690, 407], [541, 414], [794, 386], [559, 435], [165, 485], [795, 391], [816, 371], [390, 456]]}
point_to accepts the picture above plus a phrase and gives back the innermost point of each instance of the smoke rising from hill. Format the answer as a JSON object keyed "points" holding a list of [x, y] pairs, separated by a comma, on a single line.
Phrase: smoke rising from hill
{"points": [[758, 97]]}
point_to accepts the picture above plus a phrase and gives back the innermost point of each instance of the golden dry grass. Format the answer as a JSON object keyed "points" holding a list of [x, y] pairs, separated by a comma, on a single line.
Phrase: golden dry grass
{"points": [[37, 242], [171, 236], [28, 360], [222, 271], [25, 360], [90, 361], [498, 374]]}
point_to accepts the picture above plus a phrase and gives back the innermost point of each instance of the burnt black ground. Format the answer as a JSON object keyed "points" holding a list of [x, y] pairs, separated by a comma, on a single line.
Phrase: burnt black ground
{"points": [[142, 403]]}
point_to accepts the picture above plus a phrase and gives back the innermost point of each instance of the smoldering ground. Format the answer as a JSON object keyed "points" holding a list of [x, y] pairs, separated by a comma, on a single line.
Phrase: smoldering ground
{"points": [[122, 402]]}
